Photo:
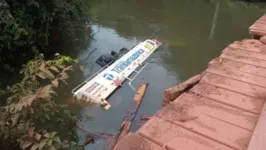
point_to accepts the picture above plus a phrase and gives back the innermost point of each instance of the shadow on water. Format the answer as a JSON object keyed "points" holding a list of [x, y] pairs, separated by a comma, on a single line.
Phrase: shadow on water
{"points": [[193, 32]]}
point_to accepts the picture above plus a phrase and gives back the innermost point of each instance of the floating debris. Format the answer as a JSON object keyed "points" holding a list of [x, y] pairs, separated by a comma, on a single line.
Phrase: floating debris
{"points": [[126, 124]]}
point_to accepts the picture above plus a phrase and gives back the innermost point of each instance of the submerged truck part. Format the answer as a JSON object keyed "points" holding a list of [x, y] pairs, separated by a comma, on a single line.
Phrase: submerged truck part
{"points": [[103, 83], [105, 59]]}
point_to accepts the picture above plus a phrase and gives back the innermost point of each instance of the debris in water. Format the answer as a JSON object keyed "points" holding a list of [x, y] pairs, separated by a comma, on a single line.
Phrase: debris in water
{"points": [[88, 140], [126, 124], [96, 134], [145, 118]]}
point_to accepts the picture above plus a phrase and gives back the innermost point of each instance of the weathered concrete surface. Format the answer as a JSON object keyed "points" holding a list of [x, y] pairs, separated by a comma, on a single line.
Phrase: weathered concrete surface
{"points": [[230, 98], [172, 93], [223, 108], [129, 143], [249, 45], [174, 137], [258, 28], [259, 135]]}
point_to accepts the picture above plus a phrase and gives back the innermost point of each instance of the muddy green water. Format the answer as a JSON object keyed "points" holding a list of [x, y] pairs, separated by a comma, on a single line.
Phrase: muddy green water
{"points": [[192, 31]]}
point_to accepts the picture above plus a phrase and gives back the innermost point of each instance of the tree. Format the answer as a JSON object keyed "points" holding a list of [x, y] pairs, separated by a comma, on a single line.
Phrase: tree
{"points": [[31, 117], [32, 26]]}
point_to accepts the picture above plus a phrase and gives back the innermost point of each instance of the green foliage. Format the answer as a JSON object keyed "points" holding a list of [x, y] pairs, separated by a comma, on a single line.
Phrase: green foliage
{"points": [[31, 117], [30, 26], [65, 59]]}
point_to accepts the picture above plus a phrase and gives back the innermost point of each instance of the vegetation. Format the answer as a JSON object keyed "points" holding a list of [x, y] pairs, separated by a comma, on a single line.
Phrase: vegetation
{"points": [[32, 26], [30, 118]]}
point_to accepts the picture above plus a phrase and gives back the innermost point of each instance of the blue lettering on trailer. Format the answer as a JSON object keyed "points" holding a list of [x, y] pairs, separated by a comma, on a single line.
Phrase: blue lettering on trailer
{"points": [[122, 65], [108, 76]]}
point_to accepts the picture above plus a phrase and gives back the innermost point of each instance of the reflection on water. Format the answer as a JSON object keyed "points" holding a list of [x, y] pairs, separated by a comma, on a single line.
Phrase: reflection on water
{"points": [[193, 32]]}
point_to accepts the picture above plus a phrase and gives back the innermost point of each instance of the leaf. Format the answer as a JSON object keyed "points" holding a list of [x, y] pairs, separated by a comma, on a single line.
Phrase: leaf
{"points": [[42, 143], [63, 76], [47, 135], [31, 69], [49, 74], [26, 144], [57, 139], [42, 67], [37, 136], [22, 70], [33, 77], [55, 83], [41, 75], [72, 143], [18, 107], [81, 67], [61, 66], [53, 93], [53, 134], [52, 148], [44, 92], [31, 131], [68, 68], [50, 141], [47, 117], [54, 69], [34, 147], [27, 100]]}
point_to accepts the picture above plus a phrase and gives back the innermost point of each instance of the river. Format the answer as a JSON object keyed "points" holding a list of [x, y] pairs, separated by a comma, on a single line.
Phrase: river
{"points": [[192, 31]]}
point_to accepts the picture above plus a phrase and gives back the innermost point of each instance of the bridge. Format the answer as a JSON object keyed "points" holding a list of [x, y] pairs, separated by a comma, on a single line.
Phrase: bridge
{"points": [[221, 108]]}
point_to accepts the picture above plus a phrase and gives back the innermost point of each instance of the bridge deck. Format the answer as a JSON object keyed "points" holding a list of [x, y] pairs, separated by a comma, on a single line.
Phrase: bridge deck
{"points": [[259, 27], [224, 111]]}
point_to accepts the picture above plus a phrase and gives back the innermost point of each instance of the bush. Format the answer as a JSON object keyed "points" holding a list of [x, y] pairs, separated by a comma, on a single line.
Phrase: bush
{"points": [[30, 117]]}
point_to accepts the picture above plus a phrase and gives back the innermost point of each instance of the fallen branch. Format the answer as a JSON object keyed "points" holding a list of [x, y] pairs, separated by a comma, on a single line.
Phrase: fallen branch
{"points": [[97, 134], [145, 118], [88, 140], [126, 124]]}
